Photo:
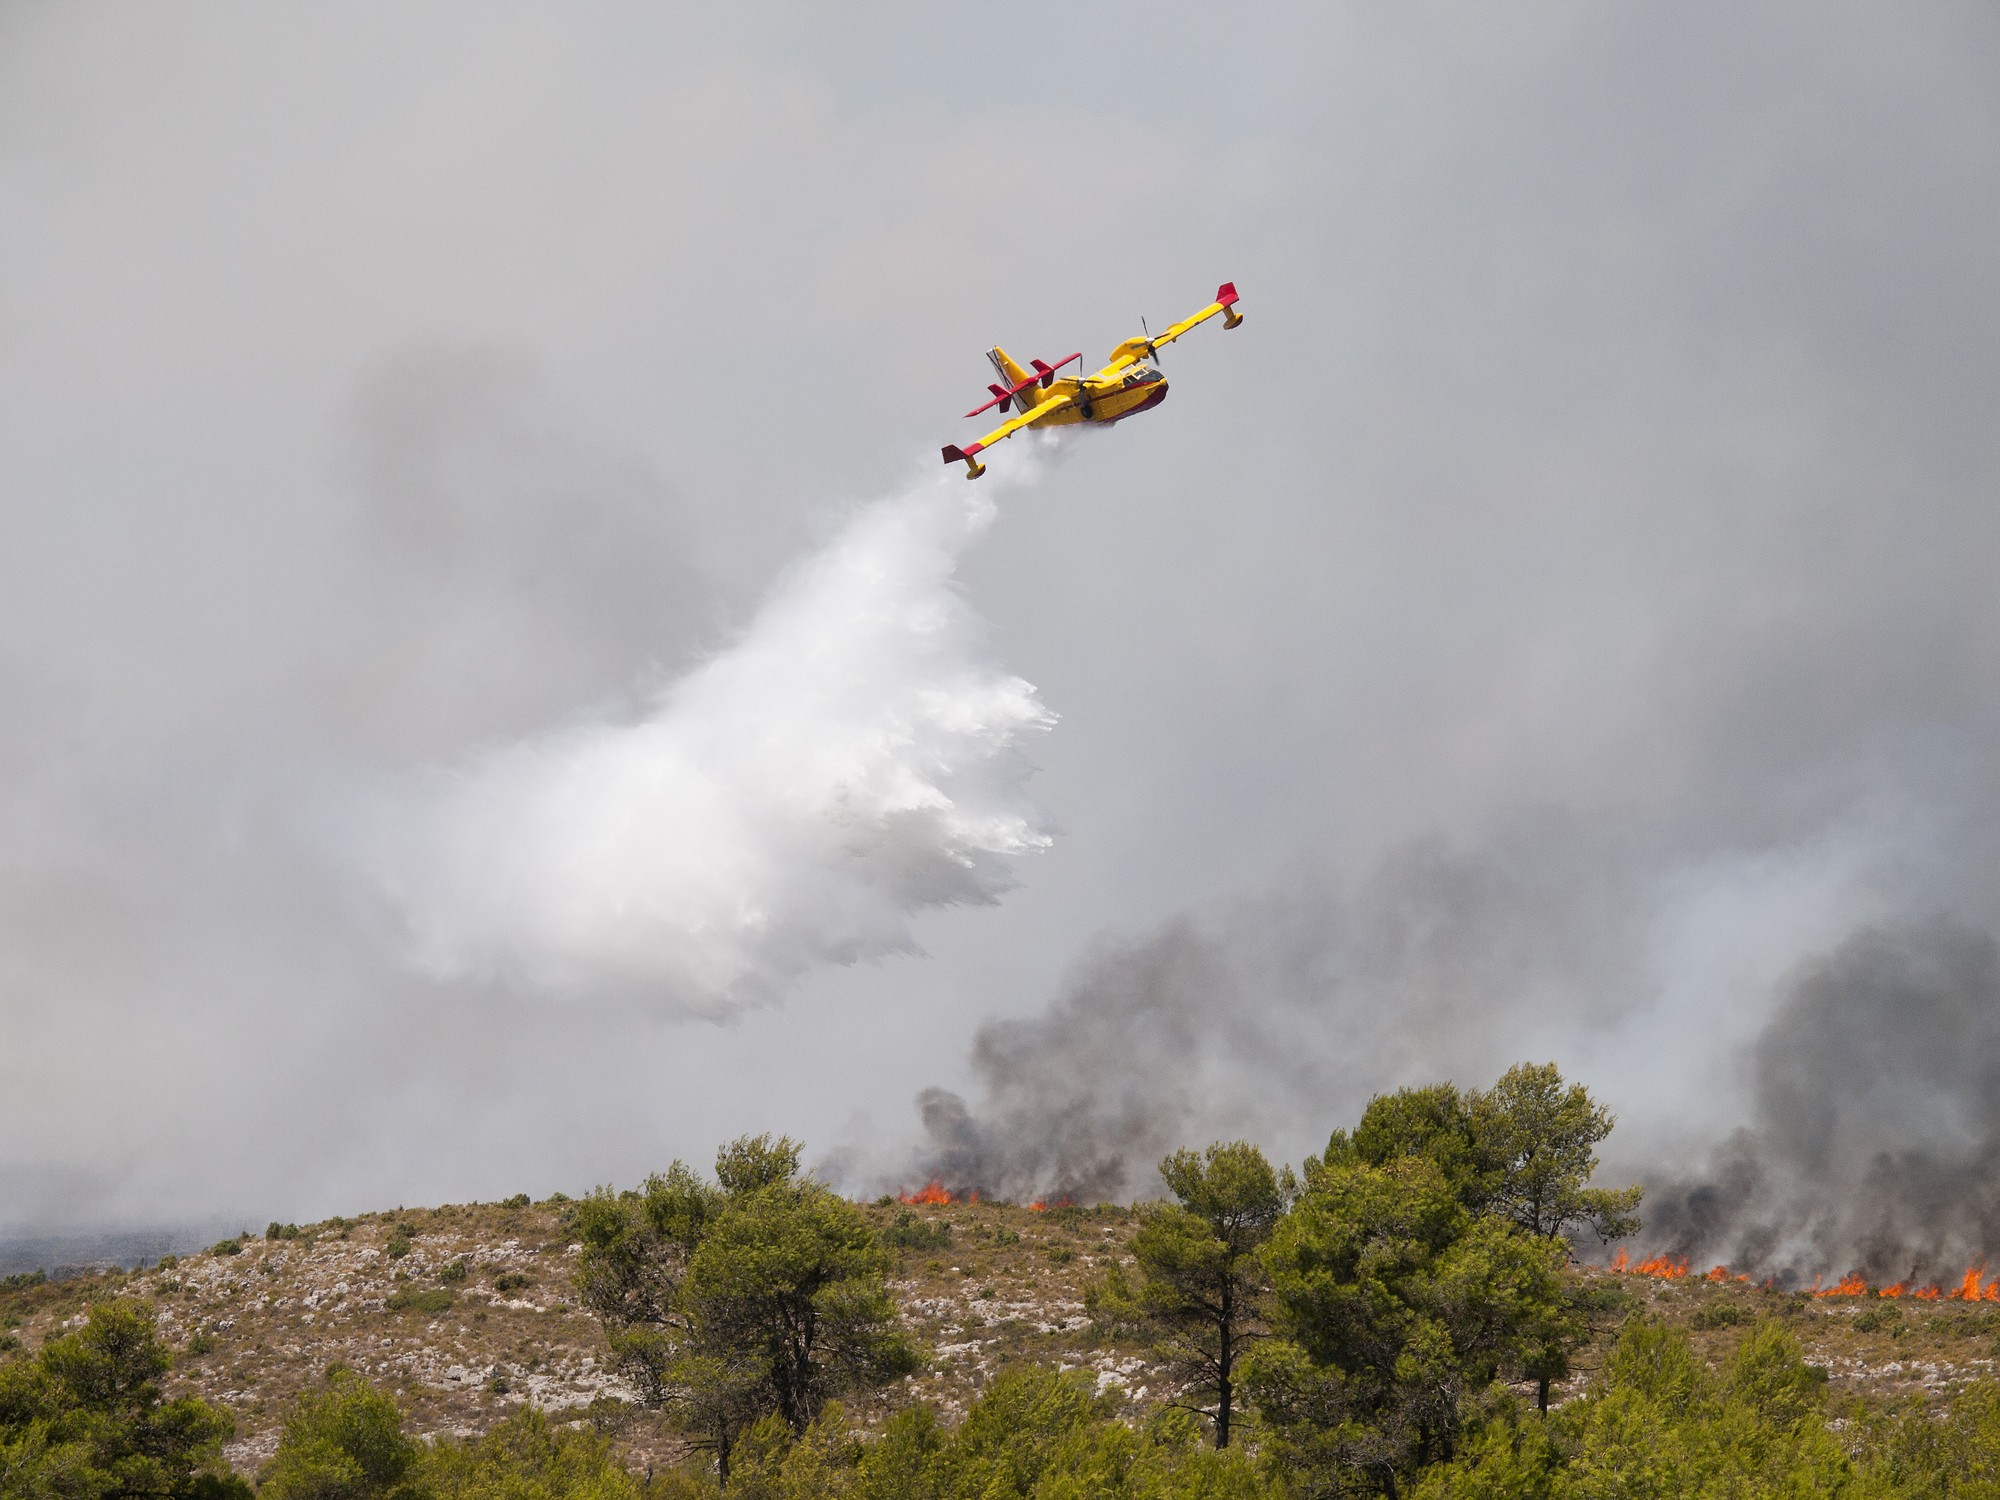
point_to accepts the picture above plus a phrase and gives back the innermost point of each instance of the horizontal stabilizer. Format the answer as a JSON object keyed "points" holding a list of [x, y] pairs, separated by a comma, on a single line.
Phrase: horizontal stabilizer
{"points": [[1047, 373], [1002, 395]]}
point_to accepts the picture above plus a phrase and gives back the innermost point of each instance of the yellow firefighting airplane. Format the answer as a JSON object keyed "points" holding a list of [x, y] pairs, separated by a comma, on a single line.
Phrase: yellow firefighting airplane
{"points": [[1125, 386]]}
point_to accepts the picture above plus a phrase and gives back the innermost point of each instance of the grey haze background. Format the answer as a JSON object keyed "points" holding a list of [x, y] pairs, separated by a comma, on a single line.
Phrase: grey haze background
{"points": [[1560, 623]]}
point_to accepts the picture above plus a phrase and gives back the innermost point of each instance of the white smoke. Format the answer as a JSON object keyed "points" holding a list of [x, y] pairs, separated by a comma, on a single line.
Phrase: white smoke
{"points": [[852, 758]]}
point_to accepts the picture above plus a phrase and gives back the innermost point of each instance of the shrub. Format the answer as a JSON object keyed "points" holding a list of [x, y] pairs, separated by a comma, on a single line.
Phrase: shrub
{"points": [[345, 1442], [457, 1271], [432, 1302], [530, 1457], [610, 1416], [911, 1233], [511, 1281], [519, 1200], [226, 1247], [1886, 1316], [398, 1247]]}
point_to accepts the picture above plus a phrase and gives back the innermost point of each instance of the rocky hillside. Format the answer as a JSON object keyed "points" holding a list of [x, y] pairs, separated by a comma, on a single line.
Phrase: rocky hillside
{"points": [[465, 1312]]}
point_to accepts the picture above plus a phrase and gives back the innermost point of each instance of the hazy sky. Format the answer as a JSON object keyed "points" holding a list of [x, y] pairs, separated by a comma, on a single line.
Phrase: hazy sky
{"points": [[1579, 567]]}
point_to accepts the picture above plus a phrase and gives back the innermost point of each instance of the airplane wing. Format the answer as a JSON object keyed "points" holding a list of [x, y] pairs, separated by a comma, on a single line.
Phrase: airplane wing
{"points": [[1133, 350], [1048, 408]]}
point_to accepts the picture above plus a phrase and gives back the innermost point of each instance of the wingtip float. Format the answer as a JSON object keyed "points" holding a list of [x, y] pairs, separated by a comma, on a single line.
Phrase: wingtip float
{"points": [[1129, 384]]}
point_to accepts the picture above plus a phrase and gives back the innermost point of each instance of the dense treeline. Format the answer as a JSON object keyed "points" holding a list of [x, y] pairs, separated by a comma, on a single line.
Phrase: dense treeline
{"points": [[1388, 1321]]}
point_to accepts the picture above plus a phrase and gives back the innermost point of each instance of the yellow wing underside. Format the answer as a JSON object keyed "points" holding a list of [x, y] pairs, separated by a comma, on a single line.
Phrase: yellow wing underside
{"points": [[1133, 350], [1027, 419]]}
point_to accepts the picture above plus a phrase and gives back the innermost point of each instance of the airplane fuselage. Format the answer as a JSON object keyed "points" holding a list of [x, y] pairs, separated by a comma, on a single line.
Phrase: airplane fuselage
{"points": [[1133, 390]]}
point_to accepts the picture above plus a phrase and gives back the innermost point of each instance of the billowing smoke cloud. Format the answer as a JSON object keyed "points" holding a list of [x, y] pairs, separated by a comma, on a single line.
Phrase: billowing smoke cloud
{"points": [[1876, 1140], [852, 758], [1275, 1018], [1786, 988]]}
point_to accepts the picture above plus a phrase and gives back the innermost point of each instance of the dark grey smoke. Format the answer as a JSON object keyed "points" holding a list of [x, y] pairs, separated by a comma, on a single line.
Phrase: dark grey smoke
{"points": [[1876, 1141], [1081, 1102], [1275, 1019], [1872, 1137]]}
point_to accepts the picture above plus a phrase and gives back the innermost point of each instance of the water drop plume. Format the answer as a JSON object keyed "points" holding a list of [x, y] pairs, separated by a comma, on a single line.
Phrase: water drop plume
{"points": [[854, 756]]}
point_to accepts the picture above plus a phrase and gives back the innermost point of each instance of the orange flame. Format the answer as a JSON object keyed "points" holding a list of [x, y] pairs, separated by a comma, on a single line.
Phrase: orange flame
{"points": [[1971, 1291], [1973, 1287], [1658, 1265]]}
